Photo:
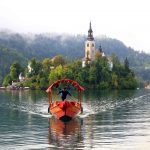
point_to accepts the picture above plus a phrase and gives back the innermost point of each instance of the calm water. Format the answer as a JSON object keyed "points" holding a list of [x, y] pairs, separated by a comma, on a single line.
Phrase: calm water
{"points": [[111, 121]]}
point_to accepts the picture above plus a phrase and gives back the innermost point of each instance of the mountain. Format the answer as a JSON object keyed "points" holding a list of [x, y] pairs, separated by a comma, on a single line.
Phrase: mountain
{"points": [[22, 47]]}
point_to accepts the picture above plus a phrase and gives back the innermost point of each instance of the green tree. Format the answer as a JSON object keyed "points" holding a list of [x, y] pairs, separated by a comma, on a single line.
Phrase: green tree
{"points": [[43, 83], [15, 70], [46, 63], [36, 67], [98, 55], [58, 60], [92, 75], [126, 66], [56, 73], [67, 72], [13, 74], [115, 59], [103, 85], [7, 80], [114, 81]]}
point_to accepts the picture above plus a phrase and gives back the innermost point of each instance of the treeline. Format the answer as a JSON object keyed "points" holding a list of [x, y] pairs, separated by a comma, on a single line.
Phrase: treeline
{"points": [[97, 75], [7, 56], [20, 47]]}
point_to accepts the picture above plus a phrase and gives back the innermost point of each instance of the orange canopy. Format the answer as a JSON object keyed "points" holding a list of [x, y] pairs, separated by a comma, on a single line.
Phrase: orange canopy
{"points": [[72, 82]]}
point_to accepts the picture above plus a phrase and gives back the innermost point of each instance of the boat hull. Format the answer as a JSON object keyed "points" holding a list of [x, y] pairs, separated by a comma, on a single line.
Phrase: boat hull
{"points": [[65, 110]]}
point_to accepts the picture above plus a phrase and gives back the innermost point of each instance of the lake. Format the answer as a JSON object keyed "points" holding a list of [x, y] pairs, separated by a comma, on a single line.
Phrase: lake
{"points": [[112, 120]]}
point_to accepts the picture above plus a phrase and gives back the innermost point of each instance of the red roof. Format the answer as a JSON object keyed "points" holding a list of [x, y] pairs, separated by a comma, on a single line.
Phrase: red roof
{"points": [[72, 82]]}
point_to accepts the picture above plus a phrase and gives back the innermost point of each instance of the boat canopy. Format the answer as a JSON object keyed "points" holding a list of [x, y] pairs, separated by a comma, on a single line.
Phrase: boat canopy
{"points": [[72, 82]]}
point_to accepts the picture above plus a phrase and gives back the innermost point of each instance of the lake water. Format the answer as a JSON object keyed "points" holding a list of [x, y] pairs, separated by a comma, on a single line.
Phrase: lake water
{"points": [[116, 120]]}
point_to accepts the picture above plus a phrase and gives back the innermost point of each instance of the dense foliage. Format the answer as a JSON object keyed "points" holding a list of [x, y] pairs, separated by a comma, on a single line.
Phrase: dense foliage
{"points": [[13, 75], [97, 74], [21, 48], [7, 57]]}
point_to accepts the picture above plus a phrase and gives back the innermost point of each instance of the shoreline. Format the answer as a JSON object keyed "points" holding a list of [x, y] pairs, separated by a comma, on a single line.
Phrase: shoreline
{"points": [[14, 88]]}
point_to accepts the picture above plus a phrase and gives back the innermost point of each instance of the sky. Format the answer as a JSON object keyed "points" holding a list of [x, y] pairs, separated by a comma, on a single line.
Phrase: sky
{"points": [[125, 20]]}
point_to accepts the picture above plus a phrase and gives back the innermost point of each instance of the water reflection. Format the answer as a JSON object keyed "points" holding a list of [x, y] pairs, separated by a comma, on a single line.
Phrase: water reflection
{"points": [[107, 94], [111, 120], [65, 134]]}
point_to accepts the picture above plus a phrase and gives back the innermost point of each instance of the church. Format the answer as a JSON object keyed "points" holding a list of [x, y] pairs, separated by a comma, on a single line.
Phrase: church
{"points": [[89, 54], [90, 50]]}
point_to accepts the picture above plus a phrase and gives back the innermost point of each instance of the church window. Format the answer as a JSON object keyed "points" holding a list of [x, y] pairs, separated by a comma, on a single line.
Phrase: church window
{"points": [[87, 44], [92, 45]]}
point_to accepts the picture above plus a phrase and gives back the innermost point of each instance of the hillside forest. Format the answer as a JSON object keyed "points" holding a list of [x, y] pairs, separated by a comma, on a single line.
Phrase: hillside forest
{"points": [[23, 47]]}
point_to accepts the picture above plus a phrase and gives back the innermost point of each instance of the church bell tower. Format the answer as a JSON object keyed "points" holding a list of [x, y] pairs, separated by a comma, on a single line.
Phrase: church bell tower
{"points": [[89, 47]]}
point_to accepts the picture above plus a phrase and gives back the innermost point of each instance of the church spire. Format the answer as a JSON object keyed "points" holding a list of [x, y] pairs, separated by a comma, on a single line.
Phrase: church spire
{"points": [[100, 49], [90, 33]]}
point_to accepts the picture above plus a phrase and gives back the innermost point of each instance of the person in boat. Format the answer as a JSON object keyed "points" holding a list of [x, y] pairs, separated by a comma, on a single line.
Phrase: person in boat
{"points": [[64, 93]]}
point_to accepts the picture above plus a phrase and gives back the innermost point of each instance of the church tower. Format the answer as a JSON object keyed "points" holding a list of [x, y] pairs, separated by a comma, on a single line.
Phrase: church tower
{"points": [[89, 47]]}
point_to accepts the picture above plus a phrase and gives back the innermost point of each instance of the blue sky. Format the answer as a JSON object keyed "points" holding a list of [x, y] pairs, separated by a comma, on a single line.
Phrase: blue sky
{"points": [[126, 20]]}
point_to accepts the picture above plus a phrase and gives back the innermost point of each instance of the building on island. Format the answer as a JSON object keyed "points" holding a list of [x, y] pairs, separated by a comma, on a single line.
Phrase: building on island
{"points": [[90, 50], [21, 77], [101, 51], [29, 67]]}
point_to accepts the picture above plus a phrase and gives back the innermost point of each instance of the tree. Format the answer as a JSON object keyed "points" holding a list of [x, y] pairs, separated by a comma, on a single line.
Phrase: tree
{"points": [[114, 81], [13, 74], [67, 72], [15, 70], [115, 59], [43, 83], [58, 60], [92, 75], [98, 55], [103, 85], [126, 64], [36, 67], [56, 73], [7, 80], [46, 63]]}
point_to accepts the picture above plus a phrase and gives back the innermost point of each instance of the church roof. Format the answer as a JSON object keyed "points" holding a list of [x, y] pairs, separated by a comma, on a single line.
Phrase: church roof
{"points": [[90, 33], [100, 49]]}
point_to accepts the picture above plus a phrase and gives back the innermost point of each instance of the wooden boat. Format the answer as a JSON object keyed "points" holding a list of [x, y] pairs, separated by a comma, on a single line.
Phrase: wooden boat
{"points": [[64, 128], [59, 130], [67, 109]]}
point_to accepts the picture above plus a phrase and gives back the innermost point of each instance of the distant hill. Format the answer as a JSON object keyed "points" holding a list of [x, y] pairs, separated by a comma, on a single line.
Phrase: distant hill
{"points": [[22, 47]]}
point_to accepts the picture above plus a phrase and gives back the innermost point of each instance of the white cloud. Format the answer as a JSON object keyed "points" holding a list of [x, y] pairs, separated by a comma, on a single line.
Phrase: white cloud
{"points": [[126, 20]]}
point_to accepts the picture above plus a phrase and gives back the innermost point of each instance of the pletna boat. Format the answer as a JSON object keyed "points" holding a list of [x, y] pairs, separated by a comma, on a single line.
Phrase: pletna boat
{"points": [[67, 109]]}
